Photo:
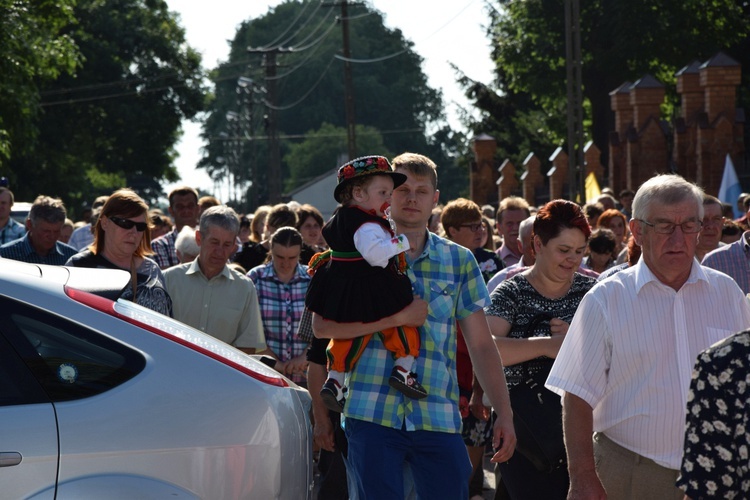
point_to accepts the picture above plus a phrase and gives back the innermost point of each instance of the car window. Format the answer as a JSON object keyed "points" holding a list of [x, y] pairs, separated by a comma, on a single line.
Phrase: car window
{"points": [[69, 361], [17, 386]]}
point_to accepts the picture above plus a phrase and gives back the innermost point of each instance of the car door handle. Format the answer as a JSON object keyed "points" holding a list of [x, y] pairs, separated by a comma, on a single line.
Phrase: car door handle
{"points": [[9, 458]]}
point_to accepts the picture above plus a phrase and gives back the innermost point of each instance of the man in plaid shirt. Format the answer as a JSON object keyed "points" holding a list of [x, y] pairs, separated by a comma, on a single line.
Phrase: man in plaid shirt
{"points": [[183, 207], [387, 430]]}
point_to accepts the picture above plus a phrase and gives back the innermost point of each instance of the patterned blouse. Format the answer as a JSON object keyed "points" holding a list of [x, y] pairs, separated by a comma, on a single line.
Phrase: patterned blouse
{"points": [[717, 435], [516, 301]]}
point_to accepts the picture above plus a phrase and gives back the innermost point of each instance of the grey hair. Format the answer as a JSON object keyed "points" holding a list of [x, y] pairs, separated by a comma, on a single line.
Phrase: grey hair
{"points": [[220, 216], [667, 189], [47, 209], [185, 242], [526, 226]]}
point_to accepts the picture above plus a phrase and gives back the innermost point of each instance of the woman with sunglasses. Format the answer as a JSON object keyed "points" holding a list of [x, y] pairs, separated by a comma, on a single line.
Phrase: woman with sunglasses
{"points": [[122, 240]]}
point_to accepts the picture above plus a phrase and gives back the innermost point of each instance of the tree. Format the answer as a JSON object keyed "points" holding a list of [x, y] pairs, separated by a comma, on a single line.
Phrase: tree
{"points": [[116, 120], [621, 41], [34, 50], [391, 94], [319, 152]]}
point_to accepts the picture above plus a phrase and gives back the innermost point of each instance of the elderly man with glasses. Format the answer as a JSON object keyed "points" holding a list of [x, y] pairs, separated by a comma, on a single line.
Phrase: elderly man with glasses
{"points": [[624, 368]]}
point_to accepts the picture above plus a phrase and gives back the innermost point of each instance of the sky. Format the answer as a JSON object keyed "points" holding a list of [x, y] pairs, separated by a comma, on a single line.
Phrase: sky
{"points": [[443, 32]]}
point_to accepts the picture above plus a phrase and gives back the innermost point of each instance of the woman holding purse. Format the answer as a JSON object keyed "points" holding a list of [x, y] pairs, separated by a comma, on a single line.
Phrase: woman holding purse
{"points": [[529, 317]]}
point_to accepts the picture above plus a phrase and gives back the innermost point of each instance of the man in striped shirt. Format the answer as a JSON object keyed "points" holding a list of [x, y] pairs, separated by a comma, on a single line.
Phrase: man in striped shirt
{"points": [[625, 365]]}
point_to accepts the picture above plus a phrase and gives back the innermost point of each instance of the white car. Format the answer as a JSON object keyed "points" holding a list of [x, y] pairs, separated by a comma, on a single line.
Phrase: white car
{"points": [[102, 398]]}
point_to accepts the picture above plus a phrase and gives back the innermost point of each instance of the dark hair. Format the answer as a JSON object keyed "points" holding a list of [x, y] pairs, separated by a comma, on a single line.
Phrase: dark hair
{"points": [[306, 211], [280, 216], [182, 191], [557, 215], [730, 228], [602, 240], [286, 236]]}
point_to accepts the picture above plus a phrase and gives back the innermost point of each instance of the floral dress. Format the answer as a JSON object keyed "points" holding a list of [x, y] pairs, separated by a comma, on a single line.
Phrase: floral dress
{"points": [[717, 439]]}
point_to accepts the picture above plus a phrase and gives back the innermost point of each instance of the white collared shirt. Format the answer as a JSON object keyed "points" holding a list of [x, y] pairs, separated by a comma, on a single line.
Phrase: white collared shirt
{"points": [[630, 351]]}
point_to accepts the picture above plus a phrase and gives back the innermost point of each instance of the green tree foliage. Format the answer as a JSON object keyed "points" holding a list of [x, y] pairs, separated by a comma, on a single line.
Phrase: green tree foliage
{"points": [[621, 41], [390, 90], [319, 152], [34, 50], [118, 117]]}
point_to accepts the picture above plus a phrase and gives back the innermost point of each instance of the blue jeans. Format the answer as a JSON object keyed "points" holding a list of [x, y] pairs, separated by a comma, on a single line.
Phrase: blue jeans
{"points": [[438, 461]]}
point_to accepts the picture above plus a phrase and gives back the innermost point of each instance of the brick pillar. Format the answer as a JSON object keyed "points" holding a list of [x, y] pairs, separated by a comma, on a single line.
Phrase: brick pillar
{"points": [[617, 168], [532, 178], [686, 125], [719, 77], [483, 175], [507, 184], [592, 155], [558, 174], [647, 144]]}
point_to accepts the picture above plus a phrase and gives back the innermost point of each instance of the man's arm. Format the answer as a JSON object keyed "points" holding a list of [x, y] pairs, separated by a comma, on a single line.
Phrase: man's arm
{"points": [[578, 429], [488, 369], [412, 315], [322, 428]]}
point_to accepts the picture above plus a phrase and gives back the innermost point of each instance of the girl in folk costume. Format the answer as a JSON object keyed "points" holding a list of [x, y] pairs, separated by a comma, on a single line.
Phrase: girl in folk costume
{"points": [[362, 277]]}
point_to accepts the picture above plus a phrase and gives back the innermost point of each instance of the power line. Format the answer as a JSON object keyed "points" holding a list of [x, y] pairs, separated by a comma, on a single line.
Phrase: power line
{"points": [[314, 86], [294, 21]]}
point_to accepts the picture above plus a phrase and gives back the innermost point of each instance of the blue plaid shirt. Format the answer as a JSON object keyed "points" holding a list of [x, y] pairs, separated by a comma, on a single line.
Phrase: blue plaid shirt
{"points": [[447, 276], [22, 250], [281, 307], [164, 250], [12, 231]]}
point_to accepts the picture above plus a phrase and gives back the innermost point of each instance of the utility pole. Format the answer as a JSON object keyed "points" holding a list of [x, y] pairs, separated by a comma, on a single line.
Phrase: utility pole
{"points": [[351, 136], [272, 124], [576, 167]]}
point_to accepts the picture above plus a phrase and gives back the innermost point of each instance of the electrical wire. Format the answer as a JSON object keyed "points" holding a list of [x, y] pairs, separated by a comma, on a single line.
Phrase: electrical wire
{"points": [[294, 21], [313, 87]]}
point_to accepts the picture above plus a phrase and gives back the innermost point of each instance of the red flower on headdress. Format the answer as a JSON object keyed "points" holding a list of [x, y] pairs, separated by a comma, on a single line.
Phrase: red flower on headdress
{"points": [[349, 172], [383, 164]]}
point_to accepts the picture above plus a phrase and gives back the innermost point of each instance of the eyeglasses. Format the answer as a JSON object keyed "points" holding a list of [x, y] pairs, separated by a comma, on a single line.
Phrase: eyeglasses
{"points": [[474, 227], [688, 227], [128, 224]]}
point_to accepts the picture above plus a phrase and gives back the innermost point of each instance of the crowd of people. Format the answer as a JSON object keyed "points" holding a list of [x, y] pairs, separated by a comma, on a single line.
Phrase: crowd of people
{"points": [[417, 323]]}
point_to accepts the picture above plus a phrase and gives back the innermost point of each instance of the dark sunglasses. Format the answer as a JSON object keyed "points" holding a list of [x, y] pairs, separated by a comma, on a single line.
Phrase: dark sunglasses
{"points": [[128, 224]]}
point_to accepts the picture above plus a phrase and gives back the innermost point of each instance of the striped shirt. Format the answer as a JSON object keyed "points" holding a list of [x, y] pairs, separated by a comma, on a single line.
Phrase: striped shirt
{"points": [[12, 231], [630, 351], [281, 308], [447, 277], [734, 260], [22, 250]]}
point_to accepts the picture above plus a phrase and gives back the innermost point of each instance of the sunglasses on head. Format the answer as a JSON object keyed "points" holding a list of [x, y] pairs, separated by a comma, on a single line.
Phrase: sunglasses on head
{"points": [[129, 224]]}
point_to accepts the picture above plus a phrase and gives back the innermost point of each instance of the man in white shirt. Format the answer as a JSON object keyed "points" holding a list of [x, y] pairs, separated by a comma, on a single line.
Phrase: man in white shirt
{"points": [[624, 368]]}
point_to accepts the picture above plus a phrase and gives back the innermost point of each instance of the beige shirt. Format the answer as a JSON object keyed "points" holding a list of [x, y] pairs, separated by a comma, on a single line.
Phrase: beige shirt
{"points": [[225, 307]]}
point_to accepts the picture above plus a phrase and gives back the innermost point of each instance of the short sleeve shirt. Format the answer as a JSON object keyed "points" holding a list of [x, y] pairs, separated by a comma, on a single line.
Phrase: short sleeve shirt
{"points": [[225, 307], [447, 277]]}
